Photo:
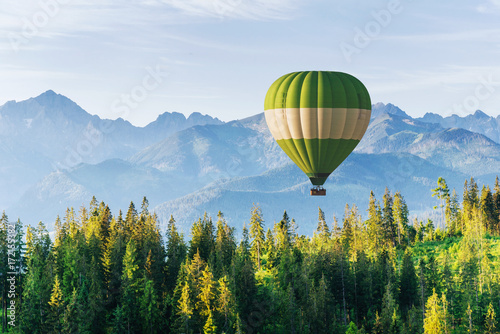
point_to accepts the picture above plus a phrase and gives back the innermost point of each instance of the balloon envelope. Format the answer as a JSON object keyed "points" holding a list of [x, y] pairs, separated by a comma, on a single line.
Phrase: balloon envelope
{"points": [[317, 118]]}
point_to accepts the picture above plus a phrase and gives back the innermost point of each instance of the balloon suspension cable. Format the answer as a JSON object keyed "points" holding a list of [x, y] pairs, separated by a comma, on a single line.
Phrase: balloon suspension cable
{"points": [[318, 191]]}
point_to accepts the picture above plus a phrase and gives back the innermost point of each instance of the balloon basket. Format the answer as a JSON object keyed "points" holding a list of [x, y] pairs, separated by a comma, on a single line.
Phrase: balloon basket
{"points": [[318, 191]]}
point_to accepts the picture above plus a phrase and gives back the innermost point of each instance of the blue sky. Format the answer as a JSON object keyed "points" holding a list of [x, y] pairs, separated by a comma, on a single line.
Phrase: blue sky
{"points": [[137, 59]]}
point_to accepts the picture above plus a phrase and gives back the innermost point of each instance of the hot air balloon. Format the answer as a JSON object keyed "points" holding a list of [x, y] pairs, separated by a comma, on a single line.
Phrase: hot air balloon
{"points": [[317, 118]]}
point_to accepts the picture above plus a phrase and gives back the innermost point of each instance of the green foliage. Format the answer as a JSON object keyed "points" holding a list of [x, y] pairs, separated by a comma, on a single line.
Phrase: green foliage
{"points": [[38, 281], [202, 238], [56, 307], [185, 309], [490, 320], [175, 253], [389, 316], [225, 246], [408, 291], [257, 234], [435, 317], [149, 309], [400, 212], [383, 274], [353, 329], [225, 304]]}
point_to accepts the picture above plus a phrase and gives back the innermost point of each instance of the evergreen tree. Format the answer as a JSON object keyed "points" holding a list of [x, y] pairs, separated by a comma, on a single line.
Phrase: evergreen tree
{"points": [[489, 219], [151, 251], [452, 213], [347, 233], [150, 310], [414, 322], [408, 295], [433, 277], [291, 312], [176, 252], [442, 192], [70, 326], [225, 304], [496, 202], [202, 238], [97, 223], [490, 322], [473, 194], [389, 316], [144, 207], [377, 326], [131, 281], [209, 327], [423, 289], [95, 304], [400, 213], [131, 219], [38, 282], [243, 280], [469, 324], [205, 304], [245, 242], [429, 230], [112, 263], [225, 246], [56, 306], [323, 301], [435, 318], [388, 219], [374, 226], [130, 263], [322, 230], [239, 325], [61, 232], [470, 199], [257, 234], [283, 233], [207, 288], [270, 249], [352, 329], [185, 309], [118, 324], [336, 230], [83, 320], [191, 273]]}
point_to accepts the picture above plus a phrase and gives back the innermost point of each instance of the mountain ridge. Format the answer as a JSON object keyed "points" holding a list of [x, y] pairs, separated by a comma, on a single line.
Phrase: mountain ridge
{"points": [[51, 132], [478, 122], [177, 157]]}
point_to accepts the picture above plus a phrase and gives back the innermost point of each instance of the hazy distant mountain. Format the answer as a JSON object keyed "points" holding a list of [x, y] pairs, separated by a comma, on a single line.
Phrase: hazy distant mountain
{"points": [[458, 149], [389, 108], [211, 152], [114, 181], [184, 162], [59, 129], [58, 155], [287, 188], [392, 133], [168, 123], [478, 122], [51, 132]]}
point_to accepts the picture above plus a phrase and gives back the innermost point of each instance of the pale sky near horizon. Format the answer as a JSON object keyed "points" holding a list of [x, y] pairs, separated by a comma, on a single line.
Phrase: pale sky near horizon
{"points": [[137, 59]]}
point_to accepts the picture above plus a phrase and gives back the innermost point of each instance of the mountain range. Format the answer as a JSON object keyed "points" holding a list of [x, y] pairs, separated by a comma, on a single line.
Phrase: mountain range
{"points": [[50, 132], [56, 155]]}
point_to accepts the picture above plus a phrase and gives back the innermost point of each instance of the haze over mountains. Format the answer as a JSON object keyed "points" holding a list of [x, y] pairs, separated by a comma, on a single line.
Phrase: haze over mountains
{"points": [[54, 155], [50, 132]]}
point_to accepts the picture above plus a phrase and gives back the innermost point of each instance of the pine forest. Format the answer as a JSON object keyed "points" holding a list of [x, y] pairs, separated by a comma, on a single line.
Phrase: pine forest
{"points": [[104, 272]]}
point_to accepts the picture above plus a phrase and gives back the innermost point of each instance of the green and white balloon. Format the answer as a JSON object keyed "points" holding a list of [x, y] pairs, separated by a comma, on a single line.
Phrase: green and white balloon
{"points": [[317, 118]]}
